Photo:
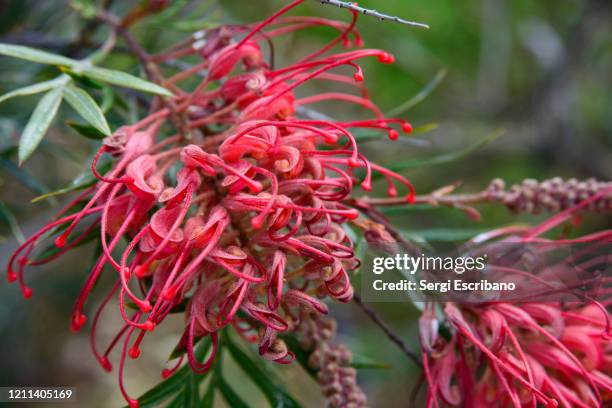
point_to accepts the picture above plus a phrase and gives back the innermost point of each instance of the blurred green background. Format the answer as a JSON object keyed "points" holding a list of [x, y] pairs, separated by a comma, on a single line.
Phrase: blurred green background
{"points": [[541, 71]]}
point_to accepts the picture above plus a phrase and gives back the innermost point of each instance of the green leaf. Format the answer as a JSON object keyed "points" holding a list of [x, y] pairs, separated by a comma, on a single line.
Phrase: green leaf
{"points": [[401, 210], [426, 128], [230, 396], [164, 390], [53, 249], [11, 221], [271, 388], [301, 355], [419, 97], [85, 106], [125, 80], [108, 99], [173, 384], [366, 363], [32, 54], [36, 88], [83, 180], [178, 401], [25, 178], [39, 123], [192, 394], [87, 131], [208, 401], [442, 158], [443, 234], [194, 25]]}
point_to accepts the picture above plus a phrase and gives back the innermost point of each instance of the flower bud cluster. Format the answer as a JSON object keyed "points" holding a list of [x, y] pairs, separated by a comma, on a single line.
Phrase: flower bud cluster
{"points": [[332, 362], [553, 195]]}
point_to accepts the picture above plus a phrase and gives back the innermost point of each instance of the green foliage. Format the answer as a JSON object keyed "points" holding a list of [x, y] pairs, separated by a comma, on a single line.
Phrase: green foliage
{"points": [[83, 180], [276, 395], [123, 79], [87, 107], [442, 158], [34, 55], [60, 88], [36, 88], [39, 123]]}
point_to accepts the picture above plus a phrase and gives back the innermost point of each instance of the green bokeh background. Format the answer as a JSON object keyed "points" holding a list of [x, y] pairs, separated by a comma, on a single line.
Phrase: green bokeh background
{"points": [[541, 71]]}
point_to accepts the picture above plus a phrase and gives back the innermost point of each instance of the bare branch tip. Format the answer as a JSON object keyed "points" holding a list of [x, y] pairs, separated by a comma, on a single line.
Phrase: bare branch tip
{"points": [[372, 13]]}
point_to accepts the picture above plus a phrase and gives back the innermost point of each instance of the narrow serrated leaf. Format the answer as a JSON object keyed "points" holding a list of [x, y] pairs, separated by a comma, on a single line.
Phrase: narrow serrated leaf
{"points": [[301, 355], [420, 96], [125, 80], [178, 401], [229, 395], [442, 158], [32, 54], [34, 89], [87, 131], [208, 400], [444, 234], [7, 215], [366, 363], [271, 388], [39, 123], [83, 180], [401, 210], [25, 178], [192, 392], [173, 384], [87, 107], [108, 99], [53, 249]]}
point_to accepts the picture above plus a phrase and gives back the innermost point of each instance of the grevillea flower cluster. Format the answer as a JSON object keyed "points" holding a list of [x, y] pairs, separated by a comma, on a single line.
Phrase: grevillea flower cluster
{"points": [[532, 354], [549, 353], [239, 218]]}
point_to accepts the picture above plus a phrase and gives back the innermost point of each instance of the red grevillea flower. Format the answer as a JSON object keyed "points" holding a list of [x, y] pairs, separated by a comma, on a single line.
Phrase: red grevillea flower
{"points": [[521, 354], [244, 224]]}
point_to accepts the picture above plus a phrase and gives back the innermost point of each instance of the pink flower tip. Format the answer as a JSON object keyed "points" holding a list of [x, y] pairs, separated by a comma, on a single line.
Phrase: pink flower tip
{"points": [[352, 215], [134, 352], [148, 325], [78, 321], [60, 241], [392, 191], [358, 76], [255, 187], [145, 306], [106, 365], [366, 185], [140, 271], [352, 162], [27, 292], [166, 373], [11, 276], [168, 294], [393, 134], [407, 127], [386, 58], [133, 403], [257, 222]]}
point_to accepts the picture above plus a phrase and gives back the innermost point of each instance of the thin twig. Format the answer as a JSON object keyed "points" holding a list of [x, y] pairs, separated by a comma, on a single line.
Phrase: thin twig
{"points": [[433, 199], [372, 13], [387, 330], [151, 69]]}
